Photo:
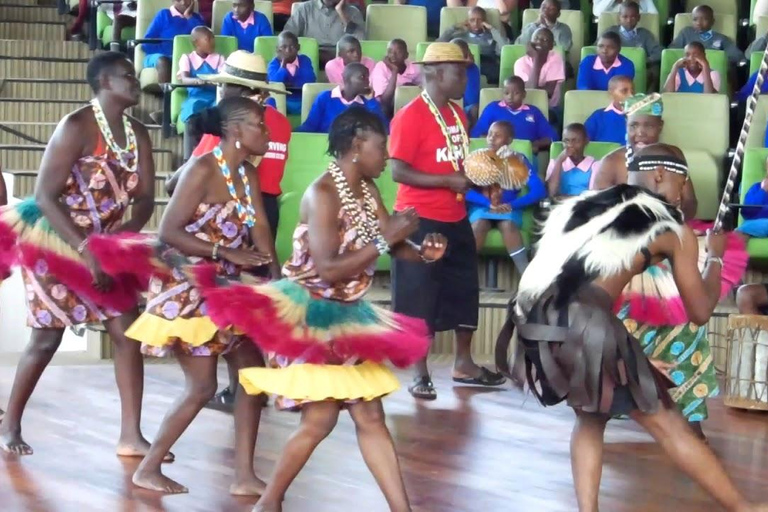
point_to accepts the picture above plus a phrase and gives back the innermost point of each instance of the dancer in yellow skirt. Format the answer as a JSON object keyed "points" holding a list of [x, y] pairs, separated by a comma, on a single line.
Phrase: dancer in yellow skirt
{"points": [[327, 345], [216, 215]]}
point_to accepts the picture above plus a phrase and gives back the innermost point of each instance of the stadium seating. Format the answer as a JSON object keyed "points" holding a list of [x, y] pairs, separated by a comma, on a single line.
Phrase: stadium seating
{"points": [[724, 23], [579, 105], [638, 58], [647, 21], [450, 16], [575, 20], [697, 122], [308, 94], [376, 50], [536, 97], [386, 22], [716, 58], [223, 7], [509, 55], [266, 46]]}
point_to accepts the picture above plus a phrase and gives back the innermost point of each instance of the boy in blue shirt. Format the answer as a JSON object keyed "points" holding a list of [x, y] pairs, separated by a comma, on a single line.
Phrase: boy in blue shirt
{"points": [[756, 218], [292, 69], [595, 71], [746, 91], [245, 24], [472, 91], [609, 124], [490, 207], [329, 104], [179, 20], [529, 122]]}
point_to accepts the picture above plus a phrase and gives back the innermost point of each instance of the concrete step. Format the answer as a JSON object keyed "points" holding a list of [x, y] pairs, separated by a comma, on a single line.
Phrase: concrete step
{"points": [[61, 50], [42, 132], [42, 69], [30, 13], [41, 90], [24, 183], [27, 157], [31, 111], [10, 3], [20, 29]]}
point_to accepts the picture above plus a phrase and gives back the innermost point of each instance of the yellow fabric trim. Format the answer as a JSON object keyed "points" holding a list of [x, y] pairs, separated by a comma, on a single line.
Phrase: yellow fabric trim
{"points": [[157, 332], [317, 382]]}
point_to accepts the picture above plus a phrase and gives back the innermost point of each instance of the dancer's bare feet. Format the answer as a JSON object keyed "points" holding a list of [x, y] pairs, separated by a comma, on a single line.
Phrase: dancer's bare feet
{"points": [[269, 507], [138, 448], [253, 486], [12, 442], [156, 481]]}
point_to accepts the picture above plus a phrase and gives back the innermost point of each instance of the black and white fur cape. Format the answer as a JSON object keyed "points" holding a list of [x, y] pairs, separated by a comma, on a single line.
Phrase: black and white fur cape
{"points": [[594, 234]]}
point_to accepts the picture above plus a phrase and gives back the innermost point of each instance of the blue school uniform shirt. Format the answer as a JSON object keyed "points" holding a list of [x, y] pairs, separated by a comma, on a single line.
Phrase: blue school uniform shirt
{"points": [[329, 104], [594, 77], [529, 122], [607, 125], [757, 196], [305, 74], [745, 91], [256, 25], [168, 24], [199, 98], [472, 92]]}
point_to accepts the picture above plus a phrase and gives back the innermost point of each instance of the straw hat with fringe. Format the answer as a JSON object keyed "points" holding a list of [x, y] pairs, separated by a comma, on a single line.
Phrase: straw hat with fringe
{"points": [[442, 53], [246, 69]]}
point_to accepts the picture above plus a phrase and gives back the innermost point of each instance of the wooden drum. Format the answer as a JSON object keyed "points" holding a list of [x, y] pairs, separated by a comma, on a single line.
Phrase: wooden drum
{"points": [[746, 366]]}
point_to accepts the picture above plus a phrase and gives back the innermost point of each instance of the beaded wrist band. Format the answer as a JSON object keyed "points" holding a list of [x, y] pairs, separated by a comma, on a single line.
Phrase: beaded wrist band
{"points": [[215, 251], [381, 245]]}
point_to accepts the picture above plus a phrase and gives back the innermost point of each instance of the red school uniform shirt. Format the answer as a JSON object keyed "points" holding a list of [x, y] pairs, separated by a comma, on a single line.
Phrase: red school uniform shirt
{"points": [[272, 165], [416, 139]]}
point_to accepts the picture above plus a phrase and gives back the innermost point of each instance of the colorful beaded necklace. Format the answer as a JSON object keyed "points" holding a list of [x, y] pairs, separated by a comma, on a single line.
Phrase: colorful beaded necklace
{"points": [[128, 157], [446, 133], [247, 213], [367, 226]]}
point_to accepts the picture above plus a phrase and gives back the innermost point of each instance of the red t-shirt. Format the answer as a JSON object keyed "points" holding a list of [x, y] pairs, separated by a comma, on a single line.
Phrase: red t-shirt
{"points": [[272, 165], [416, 139]]}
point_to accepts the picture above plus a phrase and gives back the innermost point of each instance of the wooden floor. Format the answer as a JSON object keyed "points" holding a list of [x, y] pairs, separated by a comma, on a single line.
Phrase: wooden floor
{"points": [[470, 450]]}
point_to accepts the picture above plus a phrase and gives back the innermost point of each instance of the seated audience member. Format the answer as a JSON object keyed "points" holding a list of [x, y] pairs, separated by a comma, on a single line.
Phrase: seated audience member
{"points": [[203, 61], [692, 73], [433, 8], [529, 122], [601, 6], [537, 4], [548, 18], [758, 45], [477, 30], [327, 21], [472, 91], [570, 173], [292, 69], [746, 90], [490, 207], [329, 104], [395, 70], [755, 223], [122, 14], [281, 13], [595, 71], [245, 24], [701, 31], [348, 50], [633, 36], [609, 124], [178, 20], [542, 67]]}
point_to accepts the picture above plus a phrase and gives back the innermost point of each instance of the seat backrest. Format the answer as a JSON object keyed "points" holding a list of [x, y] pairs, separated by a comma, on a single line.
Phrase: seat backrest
{"points": [[753, 170], [308, 161], [308, 94], [509, 55], [754, 61], [223, 7], [575, 20], [724, 23], [145, 13], [421, 49], [756, 136], [404, 94], [761, 25], [521, 146], [280, 99], [718, 6], [647, 21], [536, 97], [386, 22], [579, 105], [638, 58], [266, 46], [704, 170], [375, 50], [684, 116], [597, 150], [717, 62], [450, 16]]}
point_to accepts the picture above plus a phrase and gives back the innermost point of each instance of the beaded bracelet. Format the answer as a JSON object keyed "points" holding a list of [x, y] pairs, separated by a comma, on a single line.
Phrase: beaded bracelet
{"points": [[215, 252]]}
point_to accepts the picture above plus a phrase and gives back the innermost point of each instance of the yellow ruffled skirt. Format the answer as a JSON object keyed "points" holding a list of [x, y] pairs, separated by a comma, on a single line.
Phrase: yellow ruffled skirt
{"points": [[320, 382], [196, 336]]}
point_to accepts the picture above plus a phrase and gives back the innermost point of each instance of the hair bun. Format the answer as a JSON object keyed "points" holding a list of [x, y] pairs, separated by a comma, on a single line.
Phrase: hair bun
{"points": [[209, 121]]}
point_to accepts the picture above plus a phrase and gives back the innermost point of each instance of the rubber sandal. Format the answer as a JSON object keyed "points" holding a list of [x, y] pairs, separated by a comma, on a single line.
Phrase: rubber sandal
{"points": [[424, 383], [486, 378]]}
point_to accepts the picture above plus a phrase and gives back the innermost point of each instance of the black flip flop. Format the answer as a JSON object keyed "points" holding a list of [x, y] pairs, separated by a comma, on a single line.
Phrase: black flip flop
{"points": [[424, 383], [486, 378], [223, 401]]}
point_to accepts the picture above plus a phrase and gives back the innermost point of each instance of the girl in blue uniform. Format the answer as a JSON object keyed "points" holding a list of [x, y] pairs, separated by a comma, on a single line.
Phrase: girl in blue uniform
{"points": [[203, 61]]}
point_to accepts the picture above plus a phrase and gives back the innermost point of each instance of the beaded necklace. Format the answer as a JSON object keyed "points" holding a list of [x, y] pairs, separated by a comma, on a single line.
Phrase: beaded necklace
{"points": [[128, 157], [444, 128], [247, 213], [367, 226]]}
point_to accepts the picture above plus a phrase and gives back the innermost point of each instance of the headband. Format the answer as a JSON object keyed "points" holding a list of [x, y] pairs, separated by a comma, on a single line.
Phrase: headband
{"points": [[649, 105], [670, 163]]}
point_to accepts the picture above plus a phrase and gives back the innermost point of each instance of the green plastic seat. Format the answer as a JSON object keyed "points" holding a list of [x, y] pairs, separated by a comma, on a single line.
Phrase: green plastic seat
{"points": [[755, 60], [386, 22], [388, 190], [752, 19], [579, 105], [684, 116], [663, 7], [223, 7], [421, 49], [182, 45], [509, 55], [761, 25], [104, 30], [756, 137], [597, 150], [308, 94], [404, 94], [753, 172], [450, 16], [724, 23], [648, 21], [536, 97], [145, 13], [717, 62], [266, 46], [638, 58], [705, 172], [575, 20], [375, 50]]}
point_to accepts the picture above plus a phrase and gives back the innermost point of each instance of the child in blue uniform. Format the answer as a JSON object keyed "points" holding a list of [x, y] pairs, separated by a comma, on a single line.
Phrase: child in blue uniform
{"points": [[202, 61], [529, 122], [756, 218], [245, 24], [692, 73], [179, 20], [595, 71], [490, 207], [472, 91], [292, 69], [570, 173], [609, 124]]}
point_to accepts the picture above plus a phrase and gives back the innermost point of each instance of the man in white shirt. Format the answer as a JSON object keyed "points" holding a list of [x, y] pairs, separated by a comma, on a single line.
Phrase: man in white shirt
{"points": [[601, 6]]}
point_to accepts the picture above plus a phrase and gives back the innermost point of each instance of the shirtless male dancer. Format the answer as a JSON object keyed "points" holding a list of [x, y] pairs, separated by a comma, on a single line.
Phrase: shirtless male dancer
{"points": [[572, 347]]}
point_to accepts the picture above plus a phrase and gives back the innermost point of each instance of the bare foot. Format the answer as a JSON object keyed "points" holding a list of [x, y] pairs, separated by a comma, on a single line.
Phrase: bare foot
{"points": [[267, 507], [157, 482], [254, 486], [11, 442], [138, 448]]}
